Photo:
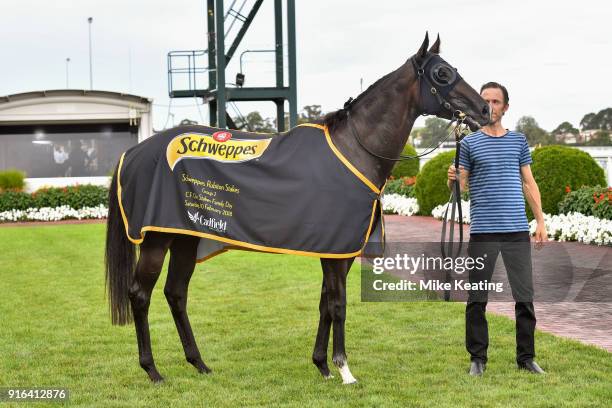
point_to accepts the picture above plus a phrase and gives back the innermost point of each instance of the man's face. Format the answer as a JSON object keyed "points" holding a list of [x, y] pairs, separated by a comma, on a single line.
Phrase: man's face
{"points": [[495, 98]]}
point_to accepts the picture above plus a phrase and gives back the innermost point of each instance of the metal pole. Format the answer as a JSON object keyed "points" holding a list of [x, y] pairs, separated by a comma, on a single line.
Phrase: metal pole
{"points": [[280, 80], [67, 81], [90, 20], [212, 73], [292, 63], [220, 56]]}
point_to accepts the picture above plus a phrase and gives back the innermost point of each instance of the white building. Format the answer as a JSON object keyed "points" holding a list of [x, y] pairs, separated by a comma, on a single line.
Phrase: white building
{"points": [[63, 137]]}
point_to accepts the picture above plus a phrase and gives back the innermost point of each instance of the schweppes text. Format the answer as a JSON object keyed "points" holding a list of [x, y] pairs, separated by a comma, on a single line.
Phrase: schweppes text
{"points": [[199, 146]]}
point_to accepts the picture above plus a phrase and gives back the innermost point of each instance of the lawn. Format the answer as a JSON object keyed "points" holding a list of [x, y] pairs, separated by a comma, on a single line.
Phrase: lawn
{"points": [[255, 317]]}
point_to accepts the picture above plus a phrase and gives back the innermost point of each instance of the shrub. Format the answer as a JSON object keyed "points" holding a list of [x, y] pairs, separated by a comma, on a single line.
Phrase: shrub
{"points": [[402, 186], [555, 167], [595, 201], [76, 197], [12, 179], [431, 189], [406, 168], [15, 200]]}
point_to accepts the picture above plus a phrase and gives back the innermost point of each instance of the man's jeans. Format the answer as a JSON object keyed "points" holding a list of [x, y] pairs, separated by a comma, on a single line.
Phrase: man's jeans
{"points": [[515, 248]]}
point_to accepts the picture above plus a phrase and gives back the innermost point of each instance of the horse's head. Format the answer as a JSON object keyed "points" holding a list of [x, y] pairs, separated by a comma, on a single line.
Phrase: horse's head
{"points": [[442, 91]]}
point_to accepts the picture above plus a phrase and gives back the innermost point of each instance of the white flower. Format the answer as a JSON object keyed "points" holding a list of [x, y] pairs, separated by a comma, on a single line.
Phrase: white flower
{"points": [[576, 227], [63, 212], [438, 212], [399, 204]]}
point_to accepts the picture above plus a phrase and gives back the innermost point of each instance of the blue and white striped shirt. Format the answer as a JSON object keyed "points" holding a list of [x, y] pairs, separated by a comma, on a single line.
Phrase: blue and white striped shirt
{"points": [[496, 189]]}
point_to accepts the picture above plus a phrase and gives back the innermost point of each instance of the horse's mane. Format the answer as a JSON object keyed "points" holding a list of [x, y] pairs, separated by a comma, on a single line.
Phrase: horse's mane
{"points": [[336, 119]]}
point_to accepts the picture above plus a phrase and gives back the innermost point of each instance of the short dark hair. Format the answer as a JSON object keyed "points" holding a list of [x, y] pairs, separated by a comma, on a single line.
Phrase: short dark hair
{"points": [[498, 86]]}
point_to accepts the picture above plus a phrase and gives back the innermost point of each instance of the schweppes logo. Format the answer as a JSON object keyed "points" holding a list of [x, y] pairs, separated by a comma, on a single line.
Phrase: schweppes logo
{"points": [[219, 146]]}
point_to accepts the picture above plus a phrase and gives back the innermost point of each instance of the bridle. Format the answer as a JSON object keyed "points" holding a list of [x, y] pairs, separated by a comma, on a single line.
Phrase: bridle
{"points": [[436, 80]]}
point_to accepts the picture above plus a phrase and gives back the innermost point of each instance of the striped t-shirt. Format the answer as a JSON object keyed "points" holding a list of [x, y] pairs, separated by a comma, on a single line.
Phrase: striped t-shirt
{"points": [[495, 183]]}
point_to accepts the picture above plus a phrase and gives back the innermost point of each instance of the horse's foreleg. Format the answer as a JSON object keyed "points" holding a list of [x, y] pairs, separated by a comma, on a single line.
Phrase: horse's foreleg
{"points": [[319, 355], [182, 263], [335, 272], [152, 253]]}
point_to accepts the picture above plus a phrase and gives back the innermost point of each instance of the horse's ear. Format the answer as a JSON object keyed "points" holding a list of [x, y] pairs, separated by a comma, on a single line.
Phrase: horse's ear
{"points": [[435, 48], [423, 50]]}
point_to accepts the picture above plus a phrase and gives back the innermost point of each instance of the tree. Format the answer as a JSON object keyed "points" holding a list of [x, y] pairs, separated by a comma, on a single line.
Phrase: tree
{"points": [[565, 127], [434, 132], [605, 119], [254, 122], [535, 135], [600, 120], [587, 121], [601, 138], [311, 113], [415, 135], [562, 130]]}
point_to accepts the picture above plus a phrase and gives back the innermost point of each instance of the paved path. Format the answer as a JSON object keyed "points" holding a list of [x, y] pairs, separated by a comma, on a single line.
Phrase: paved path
{"points": [[45, 223], [587, 322]]}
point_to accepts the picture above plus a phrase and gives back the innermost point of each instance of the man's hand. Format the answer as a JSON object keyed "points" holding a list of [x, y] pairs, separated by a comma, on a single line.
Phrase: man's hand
{"points": [[541, 236], [452, 174]]}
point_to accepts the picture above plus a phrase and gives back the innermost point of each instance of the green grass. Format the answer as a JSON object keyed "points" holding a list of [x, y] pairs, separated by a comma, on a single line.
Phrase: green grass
{"points": [[255, 318]]}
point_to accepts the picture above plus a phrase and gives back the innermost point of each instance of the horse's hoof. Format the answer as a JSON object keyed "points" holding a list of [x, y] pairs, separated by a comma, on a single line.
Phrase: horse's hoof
{"points": [[204, 370], [328, 376], [156, 378], [201, 367], [345, 373]]}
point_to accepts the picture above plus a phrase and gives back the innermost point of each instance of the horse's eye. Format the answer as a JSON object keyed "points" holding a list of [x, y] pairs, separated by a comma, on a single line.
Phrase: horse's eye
{"points": [[443, 74]]}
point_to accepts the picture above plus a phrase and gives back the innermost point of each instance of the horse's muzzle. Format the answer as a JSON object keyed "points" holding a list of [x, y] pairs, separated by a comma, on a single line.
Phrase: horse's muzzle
{"points": [[474, 126]]}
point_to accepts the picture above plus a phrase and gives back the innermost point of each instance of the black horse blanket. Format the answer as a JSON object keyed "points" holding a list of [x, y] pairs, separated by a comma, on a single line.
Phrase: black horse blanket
{"points": [[286, 193]]}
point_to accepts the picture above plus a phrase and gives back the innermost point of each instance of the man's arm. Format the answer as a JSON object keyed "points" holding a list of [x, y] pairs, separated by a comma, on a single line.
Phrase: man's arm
{"points": [[532, 194]]}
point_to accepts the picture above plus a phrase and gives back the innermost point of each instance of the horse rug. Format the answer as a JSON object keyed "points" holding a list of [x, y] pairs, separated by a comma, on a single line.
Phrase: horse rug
{"points": [[292, 192]]}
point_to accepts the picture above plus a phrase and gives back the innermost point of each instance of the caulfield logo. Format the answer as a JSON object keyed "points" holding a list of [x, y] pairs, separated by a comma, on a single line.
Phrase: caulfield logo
{"points": [[211, 223], [219, 147]]}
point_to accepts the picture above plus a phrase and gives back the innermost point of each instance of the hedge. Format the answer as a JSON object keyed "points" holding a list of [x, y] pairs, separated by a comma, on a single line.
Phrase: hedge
{"points": [[406, 168], [595, 201], [557, 167], [402, 186], [76, 197], [431, 183]]}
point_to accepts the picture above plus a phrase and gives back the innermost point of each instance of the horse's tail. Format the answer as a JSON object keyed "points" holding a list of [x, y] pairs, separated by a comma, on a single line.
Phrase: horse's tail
{"points": [[119, 260]]}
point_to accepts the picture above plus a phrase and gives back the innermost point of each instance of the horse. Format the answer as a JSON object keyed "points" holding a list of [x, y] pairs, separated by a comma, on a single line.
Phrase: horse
{"points": [[370, 131]]}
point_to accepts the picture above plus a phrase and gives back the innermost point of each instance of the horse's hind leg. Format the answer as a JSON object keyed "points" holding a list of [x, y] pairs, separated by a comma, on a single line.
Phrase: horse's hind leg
{"points": [[182, 262], [319, 355], [335, 272], [150, 262]]}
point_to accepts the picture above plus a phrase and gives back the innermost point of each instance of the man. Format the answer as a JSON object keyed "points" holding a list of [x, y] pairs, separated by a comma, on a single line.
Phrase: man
{"points": [[494, 162]]}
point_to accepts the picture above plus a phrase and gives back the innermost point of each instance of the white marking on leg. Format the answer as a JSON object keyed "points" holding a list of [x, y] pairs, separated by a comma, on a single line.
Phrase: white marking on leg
{"points": [[328, 377], [347, 377]]}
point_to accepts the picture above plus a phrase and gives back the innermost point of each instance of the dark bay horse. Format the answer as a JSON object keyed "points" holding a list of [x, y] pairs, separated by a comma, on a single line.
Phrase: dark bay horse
{"points": [[368, 131]]}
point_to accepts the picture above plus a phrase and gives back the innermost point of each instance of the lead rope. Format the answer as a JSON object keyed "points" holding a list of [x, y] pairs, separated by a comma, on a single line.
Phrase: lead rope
{"points": [[454, 203]]}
